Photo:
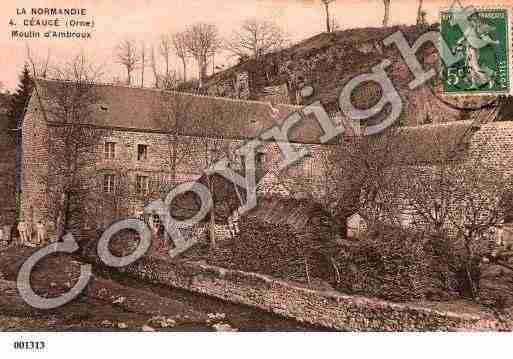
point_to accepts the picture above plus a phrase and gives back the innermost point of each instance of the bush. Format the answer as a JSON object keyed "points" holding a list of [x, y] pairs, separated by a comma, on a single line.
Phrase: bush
{"points": [[272, 249], [396, 265]]}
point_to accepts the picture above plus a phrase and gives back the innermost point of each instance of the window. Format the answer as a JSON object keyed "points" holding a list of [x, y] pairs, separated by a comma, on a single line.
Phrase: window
{"points": [[110, 150], [142, 184], [142, 152], [108, 183], [260, 159]]}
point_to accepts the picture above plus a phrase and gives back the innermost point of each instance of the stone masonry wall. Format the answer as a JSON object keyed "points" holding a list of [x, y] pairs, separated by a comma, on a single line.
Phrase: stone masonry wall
{"points": [[34, 164], [191, 159], [326, 308]]}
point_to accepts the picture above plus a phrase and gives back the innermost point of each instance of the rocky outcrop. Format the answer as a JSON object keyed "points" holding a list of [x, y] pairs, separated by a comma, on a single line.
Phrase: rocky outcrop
{"points": [[327, 62]]}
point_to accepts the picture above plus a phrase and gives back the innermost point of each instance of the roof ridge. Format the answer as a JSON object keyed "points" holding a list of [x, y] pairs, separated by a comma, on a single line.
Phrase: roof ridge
{"points": [[439, 124], [174, 92]]}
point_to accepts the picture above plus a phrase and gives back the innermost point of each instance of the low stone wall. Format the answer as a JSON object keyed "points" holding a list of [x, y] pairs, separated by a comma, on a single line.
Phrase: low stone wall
{"points": [[325, 308]]}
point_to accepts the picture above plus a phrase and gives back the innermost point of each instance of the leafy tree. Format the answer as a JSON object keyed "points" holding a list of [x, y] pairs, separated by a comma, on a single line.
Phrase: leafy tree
{"points": [[20, 98]]}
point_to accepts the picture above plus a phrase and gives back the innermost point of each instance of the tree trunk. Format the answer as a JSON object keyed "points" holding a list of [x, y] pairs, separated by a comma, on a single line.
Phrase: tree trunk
{"points": [[212, 229], [142, 76], [212, 222], [202, 72], [66, 214], [386, 17], [307, 272], [335, 270], [469, 270], [343, 229], [173, 164], [419, 13], [328, 25], [184, 70]]}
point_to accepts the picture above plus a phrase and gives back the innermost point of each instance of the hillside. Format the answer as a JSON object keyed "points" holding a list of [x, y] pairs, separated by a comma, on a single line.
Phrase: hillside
{"points": [[327, 62]]}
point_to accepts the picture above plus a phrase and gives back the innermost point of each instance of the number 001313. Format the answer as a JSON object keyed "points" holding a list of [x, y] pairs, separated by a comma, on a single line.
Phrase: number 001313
{"points": [[29, 345]]}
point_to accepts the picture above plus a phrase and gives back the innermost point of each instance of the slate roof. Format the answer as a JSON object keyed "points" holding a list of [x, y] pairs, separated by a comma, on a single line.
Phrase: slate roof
{"points": [[429, 144], [140, 109], [122, 107]]}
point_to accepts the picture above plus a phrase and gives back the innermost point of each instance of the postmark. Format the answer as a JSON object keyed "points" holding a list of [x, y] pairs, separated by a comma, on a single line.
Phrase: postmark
{"points": [[480, 42]]}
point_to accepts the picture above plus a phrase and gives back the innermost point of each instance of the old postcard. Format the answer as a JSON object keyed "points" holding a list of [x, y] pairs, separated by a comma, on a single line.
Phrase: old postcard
{"points": [[257, 165]]}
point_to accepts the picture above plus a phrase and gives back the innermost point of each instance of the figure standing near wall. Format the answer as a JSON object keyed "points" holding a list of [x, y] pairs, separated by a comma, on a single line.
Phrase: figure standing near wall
{"points": [[40, 232], [7, 230], [22, 230]]}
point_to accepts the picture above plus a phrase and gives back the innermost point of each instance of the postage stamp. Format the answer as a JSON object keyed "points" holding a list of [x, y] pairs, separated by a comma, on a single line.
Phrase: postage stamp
{"points": [[479, 40]]}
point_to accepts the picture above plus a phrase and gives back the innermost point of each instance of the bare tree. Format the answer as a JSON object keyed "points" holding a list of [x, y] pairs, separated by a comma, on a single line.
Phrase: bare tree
{"points": [[421, 14], [432, 184], [153, 65], [128, 56], [174, 113], [334, 24], [70, 105], [328, 18], [216, 143], [165, 50], [143, 62], [386, 16], [40, 66], [202, 41], [114, 203], [195, 143], [170, 81], [255, 38], [180, 48], [128, 193], [464, 202]]}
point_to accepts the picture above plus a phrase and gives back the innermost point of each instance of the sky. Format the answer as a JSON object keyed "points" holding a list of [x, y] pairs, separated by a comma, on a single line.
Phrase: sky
{"points": [[146, 20]]}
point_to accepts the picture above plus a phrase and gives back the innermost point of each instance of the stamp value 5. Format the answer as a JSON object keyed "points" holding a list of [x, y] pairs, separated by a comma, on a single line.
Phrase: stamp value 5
{"points": [[480, 41]]}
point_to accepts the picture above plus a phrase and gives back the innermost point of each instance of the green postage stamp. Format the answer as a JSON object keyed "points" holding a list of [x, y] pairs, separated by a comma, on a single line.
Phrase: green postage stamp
{"points": [[477, 51]]}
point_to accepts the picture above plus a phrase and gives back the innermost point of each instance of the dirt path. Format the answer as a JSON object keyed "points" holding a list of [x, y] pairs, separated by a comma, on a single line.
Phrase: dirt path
{"points": [[113, 302]]}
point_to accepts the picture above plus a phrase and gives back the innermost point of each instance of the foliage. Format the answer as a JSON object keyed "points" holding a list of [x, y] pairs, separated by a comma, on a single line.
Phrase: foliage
{"points": [[273, 249], [20, 98], [395, 265]]}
